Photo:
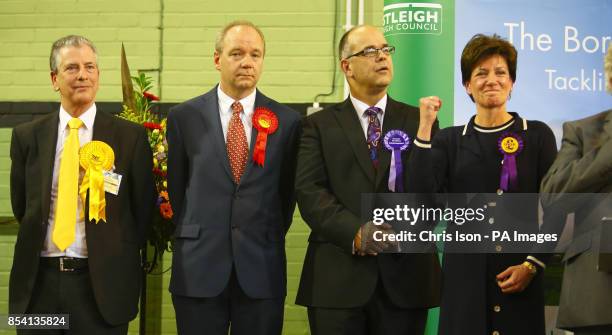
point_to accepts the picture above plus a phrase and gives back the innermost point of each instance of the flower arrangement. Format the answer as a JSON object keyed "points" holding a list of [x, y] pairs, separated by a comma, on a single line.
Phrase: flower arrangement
{"points": [[141, 112]]}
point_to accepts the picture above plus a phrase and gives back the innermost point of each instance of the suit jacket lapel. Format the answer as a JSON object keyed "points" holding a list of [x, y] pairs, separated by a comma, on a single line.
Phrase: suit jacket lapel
{"points": [[347, 118], [393, 119], [607, 127], [260, 101], [210, 114], [46, 136], [103, 129]]}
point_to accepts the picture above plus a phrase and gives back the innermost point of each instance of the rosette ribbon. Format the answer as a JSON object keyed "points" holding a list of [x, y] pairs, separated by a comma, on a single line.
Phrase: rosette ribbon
{"points": [[266, 123], [510, 145], [396, 141], [95, 157]]}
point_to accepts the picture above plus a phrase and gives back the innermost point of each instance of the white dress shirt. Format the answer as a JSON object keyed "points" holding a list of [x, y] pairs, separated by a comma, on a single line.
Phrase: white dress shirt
{"points": [[79, 247], [225, 111], [361, 107]]}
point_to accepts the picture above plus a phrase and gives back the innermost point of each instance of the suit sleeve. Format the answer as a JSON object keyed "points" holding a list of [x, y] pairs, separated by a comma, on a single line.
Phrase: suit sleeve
{"points": [[177, 166], [428, 164], [318, 205], [552, 221], [18, 163], [575, 171], [143, 187], [289, 165]]}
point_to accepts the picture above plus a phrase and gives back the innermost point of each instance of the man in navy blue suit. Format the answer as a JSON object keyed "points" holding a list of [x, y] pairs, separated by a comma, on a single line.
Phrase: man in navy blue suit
{"points": [[231, 167]]}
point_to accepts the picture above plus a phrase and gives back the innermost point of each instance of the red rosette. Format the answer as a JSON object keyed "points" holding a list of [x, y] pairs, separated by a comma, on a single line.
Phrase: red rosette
{"points": [[266, 122]]}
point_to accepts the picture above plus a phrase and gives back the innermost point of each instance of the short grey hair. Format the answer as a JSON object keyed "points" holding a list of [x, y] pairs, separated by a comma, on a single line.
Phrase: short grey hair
{"points": [[68, 41], [221, 35], [608, 67]]}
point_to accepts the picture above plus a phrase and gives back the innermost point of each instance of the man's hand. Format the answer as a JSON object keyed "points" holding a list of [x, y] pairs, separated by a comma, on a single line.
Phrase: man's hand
{"points": [[365, 244], [514, 279], [428, 111]]}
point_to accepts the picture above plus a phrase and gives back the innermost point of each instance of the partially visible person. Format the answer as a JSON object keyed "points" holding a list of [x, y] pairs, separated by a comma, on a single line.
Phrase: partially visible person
{"points": [[584, 165], [499, 293], [69, 257]]}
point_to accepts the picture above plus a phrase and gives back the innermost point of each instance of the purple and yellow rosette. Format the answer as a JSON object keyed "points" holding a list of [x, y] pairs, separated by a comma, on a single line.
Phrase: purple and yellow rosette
{"points": [[510, 145], [396, 141], [95, 157]]}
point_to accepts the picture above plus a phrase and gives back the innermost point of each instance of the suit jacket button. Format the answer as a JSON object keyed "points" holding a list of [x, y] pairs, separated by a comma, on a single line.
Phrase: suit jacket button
{"points": [[497, 308], [234, 227]]}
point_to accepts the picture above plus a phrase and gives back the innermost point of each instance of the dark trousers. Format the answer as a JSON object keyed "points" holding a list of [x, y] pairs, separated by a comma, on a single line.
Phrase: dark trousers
{"points": [[596, 330], [57, 292], [378, 317], [232, 309]]}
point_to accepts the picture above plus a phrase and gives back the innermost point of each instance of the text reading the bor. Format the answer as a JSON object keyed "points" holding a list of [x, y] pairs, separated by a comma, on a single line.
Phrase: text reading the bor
{"points": [[573, 41]]}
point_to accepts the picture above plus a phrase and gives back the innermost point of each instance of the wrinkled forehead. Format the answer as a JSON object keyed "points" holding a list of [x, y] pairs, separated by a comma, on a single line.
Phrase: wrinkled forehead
{"points": [[81, 54], [243, 36], [366, 37]]}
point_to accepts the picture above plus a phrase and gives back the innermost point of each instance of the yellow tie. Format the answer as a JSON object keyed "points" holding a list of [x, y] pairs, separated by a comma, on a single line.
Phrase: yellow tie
{"points": [[67, 185]]}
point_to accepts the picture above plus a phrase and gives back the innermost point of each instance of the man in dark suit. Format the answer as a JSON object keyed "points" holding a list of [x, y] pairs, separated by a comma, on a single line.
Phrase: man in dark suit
{"points": [[347, 286], [64, 261], [231, 167], [584, 165]]}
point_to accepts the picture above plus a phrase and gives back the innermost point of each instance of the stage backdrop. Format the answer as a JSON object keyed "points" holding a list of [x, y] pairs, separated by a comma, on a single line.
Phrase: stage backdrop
{"points": [[560, 43]]}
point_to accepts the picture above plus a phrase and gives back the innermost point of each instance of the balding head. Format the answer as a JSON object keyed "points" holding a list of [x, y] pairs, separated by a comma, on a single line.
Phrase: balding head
{"points": [[347, 42], [367, 73]]}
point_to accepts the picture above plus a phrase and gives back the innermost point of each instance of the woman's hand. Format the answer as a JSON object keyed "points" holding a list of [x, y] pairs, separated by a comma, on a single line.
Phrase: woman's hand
{"points": [[514, 279], [428, 110]]}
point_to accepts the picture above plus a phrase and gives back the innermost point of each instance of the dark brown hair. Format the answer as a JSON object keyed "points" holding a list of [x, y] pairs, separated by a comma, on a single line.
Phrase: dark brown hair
{"points": [[481, 47]]}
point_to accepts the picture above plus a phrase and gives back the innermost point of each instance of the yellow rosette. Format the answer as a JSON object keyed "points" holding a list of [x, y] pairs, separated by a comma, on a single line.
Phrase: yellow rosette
{"points": [[509, 145], [95, 157]]}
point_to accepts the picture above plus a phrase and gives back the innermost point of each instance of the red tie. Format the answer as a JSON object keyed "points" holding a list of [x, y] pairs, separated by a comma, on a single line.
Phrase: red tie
{"points": [[237, 148]]}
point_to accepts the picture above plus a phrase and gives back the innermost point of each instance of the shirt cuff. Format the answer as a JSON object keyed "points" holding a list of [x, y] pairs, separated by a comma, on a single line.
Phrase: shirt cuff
{"points": [[536, 261], [422, 144]]}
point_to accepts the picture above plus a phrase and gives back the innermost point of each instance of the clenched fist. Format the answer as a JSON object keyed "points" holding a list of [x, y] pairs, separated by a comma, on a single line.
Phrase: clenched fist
{"points": [[428, 110]]}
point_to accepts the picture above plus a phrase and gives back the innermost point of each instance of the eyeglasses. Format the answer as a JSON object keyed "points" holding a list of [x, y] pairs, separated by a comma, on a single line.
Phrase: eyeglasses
{"points": [[373, 52]]}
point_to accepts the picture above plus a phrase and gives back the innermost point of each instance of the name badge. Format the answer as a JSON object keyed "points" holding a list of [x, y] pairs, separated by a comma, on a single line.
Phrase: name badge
{"points": [[112, 181]]}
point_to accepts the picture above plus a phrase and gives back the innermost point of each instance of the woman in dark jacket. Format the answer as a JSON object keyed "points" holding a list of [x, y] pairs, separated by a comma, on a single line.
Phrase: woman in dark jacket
{"points": [[487, 293]]}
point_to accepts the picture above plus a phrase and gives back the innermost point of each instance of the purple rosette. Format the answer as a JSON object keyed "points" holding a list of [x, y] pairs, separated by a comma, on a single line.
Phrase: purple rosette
{"points": [[509, 145], [396, 141]]}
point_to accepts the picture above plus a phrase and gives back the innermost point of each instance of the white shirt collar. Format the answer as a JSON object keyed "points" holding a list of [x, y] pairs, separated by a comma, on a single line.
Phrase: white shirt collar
{"points": [[225, 102], [361, 106], [88, 117]]}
